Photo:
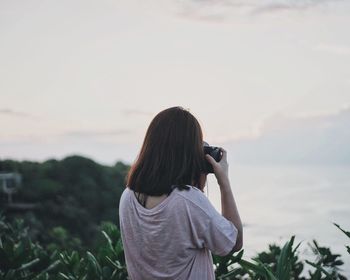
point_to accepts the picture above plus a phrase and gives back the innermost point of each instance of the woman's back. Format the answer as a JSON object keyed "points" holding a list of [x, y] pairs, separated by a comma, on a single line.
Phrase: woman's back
{"points": [[172, 240]]}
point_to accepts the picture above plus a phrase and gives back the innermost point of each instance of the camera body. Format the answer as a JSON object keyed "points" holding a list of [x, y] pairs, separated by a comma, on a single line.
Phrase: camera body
{"points": [[213, 151]]}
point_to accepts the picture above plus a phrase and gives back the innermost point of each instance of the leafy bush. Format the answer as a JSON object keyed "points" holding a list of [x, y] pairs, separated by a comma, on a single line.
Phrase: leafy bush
{"points": [[21, 258], [282, 264], [75, 193]]}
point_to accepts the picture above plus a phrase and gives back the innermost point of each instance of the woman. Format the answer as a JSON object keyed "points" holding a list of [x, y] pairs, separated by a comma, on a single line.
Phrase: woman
{"points": [[168, 226]]}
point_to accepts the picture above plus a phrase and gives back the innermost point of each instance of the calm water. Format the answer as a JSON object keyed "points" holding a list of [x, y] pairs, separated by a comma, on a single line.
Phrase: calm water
{"points": [[277, 202]]}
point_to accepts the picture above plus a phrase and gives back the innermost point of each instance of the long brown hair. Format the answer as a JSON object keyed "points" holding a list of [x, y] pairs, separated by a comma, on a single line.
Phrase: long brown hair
{"points": [[171, 155]]}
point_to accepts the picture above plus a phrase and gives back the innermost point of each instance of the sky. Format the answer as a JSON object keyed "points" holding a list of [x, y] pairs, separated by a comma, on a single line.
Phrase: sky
{"points": [[87, 77]]}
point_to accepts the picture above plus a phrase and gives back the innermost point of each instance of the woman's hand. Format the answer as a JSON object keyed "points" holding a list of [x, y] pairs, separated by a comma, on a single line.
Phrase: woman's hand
{"points": [[228, 205], [220, 168]]}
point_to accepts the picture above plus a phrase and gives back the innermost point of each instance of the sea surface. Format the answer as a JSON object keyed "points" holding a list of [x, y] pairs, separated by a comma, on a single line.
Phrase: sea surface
{"points": [[276, 202]]}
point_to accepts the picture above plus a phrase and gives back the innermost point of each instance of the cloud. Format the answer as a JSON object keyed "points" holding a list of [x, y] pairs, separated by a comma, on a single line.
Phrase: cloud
{"points": [[213, 11], [221, 10], [333, 49], [322, 139], [130, 112], [106, 153], [96, 133], [280, 6], [12, 113], [106, 145]]}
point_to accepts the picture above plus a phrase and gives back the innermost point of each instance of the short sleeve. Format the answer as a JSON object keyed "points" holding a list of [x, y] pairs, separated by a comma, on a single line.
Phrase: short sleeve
{"points": [[220, 235], [209, 228]]}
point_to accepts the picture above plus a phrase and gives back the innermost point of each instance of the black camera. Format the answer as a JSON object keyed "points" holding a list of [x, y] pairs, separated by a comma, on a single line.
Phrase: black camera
{"points": [[213, 151]]}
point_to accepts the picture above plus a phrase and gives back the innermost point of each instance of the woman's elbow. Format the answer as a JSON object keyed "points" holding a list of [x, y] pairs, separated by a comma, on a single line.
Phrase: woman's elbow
{"points": [[239, 242], [238, 246]]}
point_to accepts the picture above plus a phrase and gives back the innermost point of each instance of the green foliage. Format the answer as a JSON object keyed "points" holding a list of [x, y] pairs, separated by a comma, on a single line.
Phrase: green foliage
{"points": [[62, 240], [347, 233], [277, 263], [326, 264], [73, 233], [90, 267], [283, 263], [74, 193], [224, 265], [21, 258]]}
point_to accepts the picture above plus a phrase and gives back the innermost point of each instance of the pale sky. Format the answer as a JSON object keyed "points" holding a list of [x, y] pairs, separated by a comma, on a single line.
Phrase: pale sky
{"points": [[87, 77]]}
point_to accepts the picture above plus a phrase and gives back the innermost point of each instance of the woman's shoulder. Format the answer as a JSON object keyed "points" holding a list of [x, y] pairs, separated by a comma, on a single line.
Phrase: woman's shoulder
{"points": [[125, 194], [194, 197], [187, 191]]}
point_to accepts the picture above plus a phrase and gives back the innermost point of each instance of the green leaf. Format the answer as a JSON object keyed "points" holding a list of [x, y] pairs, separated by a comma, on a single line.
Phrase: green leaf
{"points": [[347, 233], [318, 267], [64, 276], [51, 267], [28, 265], [10, 275], [282, 266], [94, 264], [115, 264]]}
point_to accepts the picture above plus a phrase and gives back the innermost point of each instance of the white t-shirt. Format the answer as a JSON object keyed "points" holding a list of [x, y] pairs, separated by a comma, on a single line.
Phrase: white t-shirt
{"points": [[172, 240]]}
